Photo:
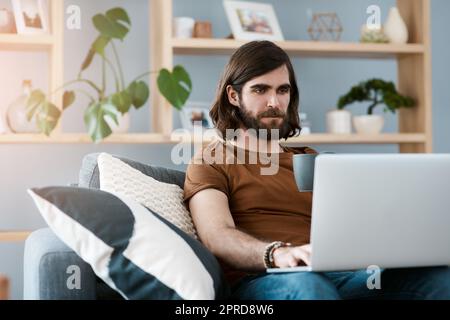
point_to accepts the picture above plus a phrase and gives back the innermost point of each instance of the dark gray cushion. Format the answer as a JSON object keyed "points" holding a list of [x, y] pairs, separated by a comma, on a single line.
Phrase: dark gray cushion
{"points": [[89, 174], [127, 240]]}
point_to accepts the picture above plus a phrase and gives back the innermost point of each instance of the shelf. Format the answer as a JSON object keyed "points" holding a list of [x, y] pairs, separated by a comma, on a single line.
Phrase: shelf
{"points": [[301, 48], [385, 138], [324, 138], [14, 236], [80, 138], [152, 138], [25, 42]]}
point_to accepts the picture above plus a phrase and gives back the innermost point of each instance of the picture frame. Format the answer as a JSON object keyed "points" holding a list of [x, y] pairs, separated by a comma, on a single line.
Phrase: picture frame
{"points": [[253, 21], [30, 16], [196, 112]]}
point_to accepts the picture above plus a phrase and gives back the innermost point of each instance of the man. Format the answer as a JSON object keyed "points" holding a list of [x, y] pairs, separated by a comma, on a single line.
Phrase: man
{"points": [[251, 221]]}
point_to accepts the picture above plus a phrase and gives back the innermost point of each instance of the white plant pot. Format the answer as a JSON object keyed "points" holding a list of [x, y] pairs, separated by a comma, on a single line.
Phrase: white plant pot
{"points": [[368, 124], [339, 122], [124, 123], [183, 27], [395, 28]]}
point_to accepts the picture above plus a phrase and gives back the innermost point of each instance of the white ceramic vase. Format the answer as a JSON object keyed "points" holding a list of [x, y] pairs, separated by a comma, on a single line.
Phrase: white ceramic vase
{"points": [[17, 112], [395, 28], [368, 124], [2, 124], [339, 122]]}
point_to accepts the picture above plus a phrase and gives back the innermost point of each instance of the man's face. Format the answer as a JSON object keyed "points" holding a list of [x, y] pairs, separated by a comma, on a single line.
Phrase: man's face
{"points": [[265, 100]]}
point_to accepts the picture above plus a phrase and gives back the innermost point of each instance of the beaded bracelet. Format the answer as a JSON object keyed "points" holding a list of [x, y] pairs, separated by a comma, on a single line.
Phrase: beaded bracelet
{"points": [[269, 250]]}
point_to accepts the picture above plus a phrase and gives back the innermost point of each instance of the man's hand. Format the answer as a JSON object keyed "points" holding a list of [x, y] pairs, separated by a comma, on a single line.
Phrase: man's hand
{"points": [[286, 257]]}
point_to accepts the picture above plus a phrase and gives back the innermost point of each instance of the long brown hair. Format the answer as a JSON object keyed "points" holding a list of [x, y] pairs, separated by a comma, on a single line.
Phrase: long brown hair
{"points": [[252, 60]]}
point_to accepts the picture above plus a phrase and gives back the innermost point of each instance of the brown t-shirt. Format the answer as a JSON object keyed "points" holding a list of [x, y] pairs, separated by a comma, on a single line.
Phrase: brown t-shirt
{"points": [[268, 207]]}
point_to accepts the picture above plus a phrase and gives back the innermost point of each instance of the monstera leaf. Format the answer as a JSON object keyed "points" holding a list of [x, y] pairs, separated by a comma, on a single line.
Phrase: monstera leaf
{"points": [[35, 100], [139, 93], [68, 99], [176, 86], [122, 101], [114, 24], [95, 121], [46, 113], [47, 117]]}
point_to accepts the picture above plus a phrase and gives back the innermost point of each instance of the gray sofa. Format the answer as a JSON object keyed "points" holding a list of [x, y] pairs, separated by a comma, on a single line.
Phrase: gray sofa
{"points": [[49, 263]]}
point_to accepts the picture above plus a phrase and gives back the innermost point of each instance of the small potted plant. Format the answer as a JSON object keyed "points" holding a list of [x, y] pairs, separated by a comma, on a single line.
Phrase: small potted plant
{"points": [[377, 92], [108, 106]]}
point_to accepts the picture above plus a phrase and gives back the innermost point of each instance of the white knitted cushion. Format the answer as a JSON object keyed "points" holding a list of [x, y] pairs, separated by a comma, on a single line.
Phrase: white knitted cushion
{"points": [[163, 198]]}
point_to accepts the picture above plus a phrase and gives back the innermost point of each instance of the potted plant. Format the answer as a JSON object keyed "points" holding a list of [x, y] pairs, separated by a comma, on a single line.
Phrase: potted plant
{"points": [[105, 107], [377, 92]]}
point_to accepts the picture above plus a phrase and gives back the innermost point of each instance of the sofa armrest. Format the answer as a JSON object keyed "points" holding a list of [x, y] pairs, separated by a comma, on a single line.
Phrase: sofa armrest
{"points": [[52, 271]]}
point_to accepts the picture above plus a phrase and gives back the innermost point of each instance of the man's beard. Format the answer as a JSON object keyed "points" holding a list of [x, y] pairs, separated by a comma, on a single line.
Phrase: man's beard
{"points": [[249, 121]]}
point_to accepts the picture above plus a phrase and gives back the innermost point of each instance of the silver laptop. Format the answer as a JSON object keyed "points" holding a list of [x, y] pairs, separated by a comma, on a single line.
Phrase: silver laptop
{"points": [[385, 210]]}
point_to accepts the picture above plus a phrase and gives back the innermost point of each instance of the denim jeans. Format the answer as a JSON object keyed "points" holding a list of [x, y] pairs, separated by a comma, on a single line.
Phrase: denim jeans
{"points": [[414, 283]]}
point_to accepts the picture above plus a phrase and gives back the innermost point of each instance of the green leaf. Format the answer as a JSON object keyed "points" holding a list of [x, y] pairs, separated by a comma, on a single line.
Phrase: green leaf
{"points": [[94, 119], [376, 91], [34, 101], [122, 100], [88, 60], [68, 99], [118, 14], [181, 75], [36, 97], [48, 117], [139, 93], [176, 87], [99, 45], [109, 28]]}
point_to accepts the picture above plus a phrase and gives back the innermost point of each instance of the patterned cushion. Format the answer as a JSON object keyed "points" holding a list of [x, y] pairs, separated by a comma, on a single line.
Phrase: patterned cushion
{"points": [[166, 199], [134, 250], [89, 174]]}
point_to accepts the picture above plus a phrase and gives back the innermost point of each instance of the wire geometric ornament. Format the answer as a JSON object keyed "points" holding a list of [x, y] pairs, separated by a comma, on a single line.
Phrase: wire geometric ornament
{"points": [[325, 26]]}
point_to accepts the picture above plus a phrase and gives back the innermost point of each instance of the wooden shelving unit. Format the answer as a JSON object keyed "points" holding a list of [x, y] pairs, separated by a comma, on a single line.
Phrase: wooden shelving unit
{"points": [[414, 75], [414, 71], [156, 138], [53, 44], [76, 138]]}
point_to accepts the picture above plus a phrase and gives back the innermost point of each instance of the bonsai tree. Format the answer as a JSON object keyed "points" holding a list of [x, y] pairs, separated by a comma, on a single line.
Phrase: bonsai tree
{"points": [[376, 91], [112, 26]]}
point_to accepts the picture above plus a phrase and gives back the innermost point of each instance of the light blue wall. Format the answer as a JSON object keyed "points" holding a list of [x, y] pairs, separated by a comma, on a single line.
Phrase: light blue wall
{"points": [[321, 82]]}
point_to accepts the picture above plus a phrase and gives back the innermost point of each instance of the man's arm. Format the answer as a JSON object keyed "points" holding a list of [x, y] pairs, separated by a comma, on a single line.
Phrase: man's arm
{"points": [[215, 226]]}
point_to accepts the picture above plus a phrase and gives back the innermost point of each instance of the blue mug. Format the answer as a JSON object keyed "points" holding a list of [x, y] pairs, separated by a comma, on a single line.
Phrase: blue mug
{"points": [[304, 170]]}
